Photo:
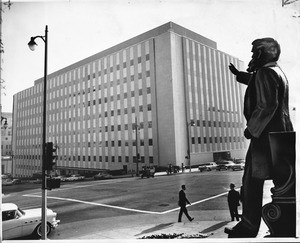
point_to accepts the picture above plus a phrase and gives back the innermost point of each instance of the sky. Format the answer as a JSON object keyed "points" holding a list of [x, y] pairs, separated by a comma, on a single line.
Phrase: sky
{"points": [[79, 29]]}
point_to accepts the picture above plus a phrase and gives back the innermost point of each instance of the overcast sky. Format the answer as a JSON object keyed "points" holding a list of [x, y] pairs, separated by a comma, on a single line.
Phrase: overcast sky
{"points": [[79, 29]]}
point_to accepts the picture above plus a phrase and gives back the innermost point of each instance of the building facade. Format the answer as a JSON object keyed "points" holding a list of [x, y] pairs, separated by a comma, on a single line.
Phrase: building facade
{"points": [[147, 98], [6, 143]]}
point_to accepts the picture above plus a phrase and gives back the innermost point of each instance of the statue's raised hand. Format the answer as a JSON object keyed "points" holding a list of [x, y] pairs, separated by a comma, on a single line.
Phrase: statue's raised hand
{"points": [[233, 69]]}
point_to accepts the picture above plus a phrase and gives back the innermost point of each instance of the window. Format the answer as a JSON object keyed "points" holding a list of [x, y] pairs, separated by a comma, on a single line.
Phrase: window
{"points": [[8, 215]]}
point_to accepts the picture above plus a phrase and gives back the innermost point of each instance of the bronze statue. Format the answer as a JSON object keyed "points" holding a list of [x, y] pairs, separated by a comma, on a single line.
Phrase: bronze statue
{"points": [[266, 110]]}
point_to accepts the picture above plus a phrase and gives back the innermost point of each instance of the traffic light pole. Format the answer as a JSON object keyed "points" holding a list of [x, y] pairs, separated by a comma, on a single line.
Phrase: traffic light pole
{"points": [[44, 191], [136, 147]]}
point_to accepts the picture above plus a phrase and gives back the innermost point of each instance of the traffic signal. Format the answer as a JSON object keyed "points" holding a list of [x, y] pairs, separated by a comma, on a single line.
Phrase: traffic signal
{"points": [[53, 183], [50, 156]]}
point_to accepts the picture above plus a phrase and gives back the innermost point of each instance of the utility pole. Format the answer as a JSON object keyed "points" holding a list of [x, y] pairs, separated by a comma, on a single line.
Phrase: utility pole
{"points": [[136, 147], [32, 45], [44, 191], [188, 132]]}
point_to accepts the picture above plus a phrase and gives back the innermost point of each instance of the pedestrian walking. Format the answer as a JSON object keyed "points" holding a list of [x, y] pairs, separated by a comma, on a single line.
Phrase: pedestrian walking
{"points": [[233, 199], [266, 109], [182, 203]]}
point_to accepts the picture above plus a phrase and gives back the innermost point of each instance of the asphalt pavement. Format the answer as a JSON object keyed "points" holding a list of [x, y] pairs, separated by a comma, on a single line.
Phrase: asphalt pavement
{"points": [[207, 226]]}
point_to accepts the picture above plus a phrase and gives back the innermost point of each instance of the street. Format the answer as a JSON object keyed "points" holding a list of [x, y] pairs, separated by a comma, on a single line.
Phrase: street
{"points": [[92, 206]]}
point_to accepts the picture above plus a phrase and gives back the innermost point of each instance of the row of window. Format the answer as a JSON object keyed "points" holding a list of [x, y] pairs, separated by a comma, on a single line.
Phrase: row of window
{"points": [[5, 146], [93, 76], [30, 102], [126, 143], [104, 85], [205, 140], [218, 123], [133, 110], [80, 158], [218, 139], [126, 126], [118, 97]]}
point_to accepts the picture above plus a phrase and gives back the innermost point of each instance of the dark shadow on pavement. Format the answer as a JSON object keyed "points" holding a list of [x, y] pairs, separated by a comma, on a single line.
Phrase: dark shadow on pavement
{"points": [[155, 228], [214, 227]]}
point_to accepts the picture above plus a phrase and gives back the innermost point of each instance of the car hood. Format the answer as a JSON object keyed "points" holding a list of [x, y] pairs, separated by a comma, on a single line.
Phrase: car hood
{"points": [[37, 212]]}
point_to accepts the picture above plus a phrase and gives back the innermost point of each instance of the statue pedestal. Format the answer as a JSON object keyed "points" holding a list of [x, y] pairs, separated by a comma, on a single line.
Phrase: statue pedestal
{"points": [[280, 214]]}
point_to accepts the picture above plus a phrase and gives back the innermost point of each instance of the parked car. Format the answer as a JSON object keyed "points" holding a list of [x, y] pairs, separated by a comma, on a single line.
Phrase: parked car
{"points": [[102, 175], [207, 166], [237, 166], [76, 177], [37, 181], [18, 223], [5, 176], [172, 169], [147, 171], [240, 162], [61, 177], [16, 181], [7, 182], [224, 165]]}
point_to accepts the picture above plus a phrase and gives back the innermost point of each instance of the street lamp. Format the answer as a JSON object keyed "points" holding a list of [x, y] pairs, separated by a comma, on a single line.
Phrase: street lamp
{"points": [[188, 132], [136, 127], [11, 153], [32, 45]]}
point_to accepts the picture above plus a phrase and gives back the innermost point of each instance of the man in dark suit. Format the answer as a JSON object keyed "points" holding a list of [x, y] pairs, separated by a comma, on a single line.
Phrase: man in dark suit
{"points": [[266, 110], [182, 203], [233, 199]]}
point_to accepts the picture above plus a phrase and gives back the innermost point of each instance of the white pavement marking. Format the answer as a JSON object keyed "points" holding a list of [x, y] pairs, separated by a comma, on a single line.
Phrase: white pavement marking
{"points": [[97, 204], [123, 208]]}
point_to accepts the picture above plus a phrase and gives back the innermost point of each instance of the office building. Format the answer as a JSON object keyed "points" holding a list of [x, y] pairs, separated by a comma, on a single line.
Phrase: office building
{"points": [[6, 142], [147, 98]]}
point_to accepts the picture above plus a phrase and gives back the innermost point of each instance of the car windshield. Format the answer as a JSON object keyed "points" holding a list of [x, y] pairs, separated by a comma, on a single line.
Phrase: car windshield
{"points": [[21, 211]]}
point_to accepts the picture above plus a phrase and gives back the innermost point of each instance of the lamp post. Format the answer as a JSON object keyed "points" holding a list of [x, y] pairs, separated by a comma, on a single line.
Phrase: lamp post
{"points": [[32, 45], [11, 153], [188, 132], [136, 126]]}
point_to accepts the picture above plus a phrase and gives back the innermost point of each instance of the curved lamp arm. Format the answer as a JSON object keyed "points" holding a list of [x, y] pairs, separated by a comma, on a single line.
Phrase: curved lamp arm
{"points": [[32, 42]]}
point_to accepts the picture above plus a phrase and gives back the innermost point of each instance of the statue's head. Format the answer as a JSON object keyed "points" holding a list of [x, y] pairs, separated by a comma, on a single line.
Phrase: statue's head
{"points": [[264, 50]]}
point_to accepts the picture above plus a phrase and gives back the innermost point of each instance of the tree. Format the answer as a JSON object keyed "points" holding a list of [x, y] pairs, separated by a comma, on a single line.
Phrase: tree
{"points": [[6, 5]]}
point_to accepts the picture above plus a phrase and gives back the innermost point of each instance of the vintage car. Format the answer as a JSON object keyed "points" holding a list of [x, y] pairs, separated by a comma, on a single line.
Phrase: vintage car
{"points": [[228, 165], [209, 166], [224, 165], [7, 182], [16, 181], [61, 177], [18, 223], [147, 171], [240, 162], [102, 175], [237, 166], [75, 178]]}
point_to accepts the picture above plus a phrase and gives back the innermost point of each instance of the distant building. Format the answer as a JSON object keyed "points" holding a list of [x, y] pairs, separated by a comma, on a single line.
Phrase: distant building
{"points": [[6, 143], [157, 84]]}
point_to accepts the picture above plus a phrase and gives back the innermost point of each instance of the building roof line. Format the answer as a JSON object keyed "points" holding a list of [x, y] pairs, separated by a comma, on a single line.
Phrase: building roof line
{"points": [[170, 26]]}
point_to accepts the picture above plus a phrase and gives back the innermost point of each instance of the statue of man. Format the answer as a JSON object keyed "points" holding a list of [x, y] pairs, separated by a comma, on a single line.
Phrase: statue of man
{"points": [[266, 110]]}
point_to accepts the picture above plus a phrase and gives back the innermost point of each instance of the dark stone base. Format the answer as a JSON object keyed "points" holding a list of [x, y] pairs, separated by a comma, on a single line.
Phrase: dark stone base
{"points": [[280, 217]]}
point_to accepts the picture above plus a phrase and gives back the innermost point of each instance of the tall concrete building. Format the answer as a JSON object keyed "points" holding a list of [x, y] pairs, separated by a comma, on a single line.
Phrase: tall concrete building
{"points": [[155, 95], [6, 143]]}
